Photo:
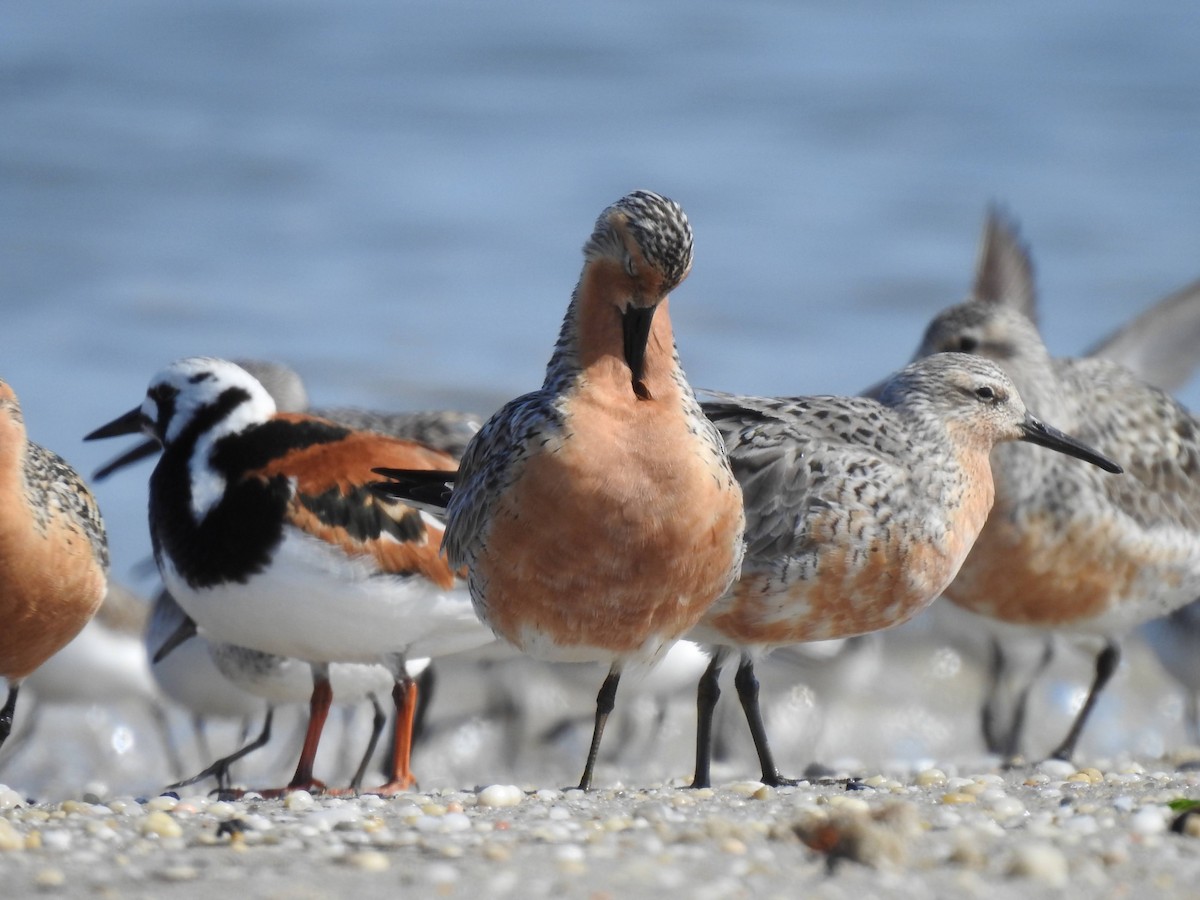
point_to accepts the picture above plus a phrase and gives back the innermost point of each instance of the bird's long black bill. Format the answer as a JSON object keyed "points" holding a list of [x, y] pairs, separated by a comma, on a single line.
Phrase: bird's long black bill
{"points": [[130, 423], [1038, 432], [635, 326], [136, 454], [426, 487]]}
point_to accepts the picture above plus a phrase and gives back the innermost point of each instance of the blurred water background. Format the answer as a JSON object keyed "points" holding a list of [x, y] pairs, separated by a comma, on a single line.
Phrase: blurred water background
{"points": [[391, 197]]}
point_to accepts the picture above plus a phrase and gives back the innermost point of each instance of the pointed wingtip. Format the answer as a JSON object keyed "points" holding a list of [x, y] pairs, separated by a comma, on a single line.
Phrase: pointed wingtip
{"points": [[426, 488], [1004, 270]]}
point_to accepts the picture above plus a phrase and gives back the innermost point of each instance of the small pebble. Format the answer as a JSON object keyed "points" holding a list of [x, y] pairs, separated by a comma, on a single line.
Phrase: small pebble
{"points": [[569, 853], [957, 797], [159, 824], [1081, 824], [369, 861], [1148, 820], [327, 819], [733, 846], [47, 879], [179, 873], [10, 799], [298, 800], [441, 874], [256, 822], [931, 777], [57, 839], [746, 788], [967, 851], [1007, 807], [496, 853], [163, 803], [1041, 862], [1056, 768], [501, 795], [10, 838], [849, 804]]}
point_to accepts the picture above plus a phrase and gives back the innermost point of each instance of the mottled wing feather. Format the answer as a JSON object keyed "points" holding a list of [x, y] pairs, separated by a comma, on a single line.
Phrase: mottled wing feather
{"points": [[791, 456], [422, 488], [491, 462], [54, 483], [1004, 270], [332, 500], [1161, 484]]}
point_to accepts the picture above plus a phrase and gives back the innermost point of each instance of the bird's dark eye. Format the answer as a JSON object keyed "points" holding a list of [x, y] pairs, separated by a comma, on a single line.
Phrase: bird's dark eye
{"points": [[985, 393], [630, 267], [967, 344]]}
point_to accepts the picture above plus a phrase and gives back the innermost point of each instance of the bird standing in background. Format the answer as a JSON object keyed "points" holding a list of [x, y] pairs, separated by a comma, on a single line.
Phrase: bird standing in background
{"points": [[1065, 549], [1161, 345]]}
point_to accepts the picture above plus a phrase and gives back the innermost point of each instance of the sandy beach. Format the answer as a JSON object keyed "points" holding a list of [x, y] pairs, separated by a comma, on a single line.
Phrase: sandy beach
{"points": [[1097, 831]]}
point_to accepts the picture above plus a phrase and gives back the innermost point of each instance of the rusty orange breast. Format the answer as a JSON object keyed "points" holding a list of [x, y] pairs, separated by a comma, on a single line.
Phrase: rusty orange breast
{"points": [[847, 593], [1038, 574], [620, 532], [51, 586], [861, 571]]}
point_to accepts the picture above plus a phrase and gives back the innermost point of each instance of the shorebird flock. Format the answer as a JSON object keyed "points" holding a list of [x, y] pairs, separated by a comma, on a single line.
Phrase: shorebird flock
{"points": [[616, 515]]}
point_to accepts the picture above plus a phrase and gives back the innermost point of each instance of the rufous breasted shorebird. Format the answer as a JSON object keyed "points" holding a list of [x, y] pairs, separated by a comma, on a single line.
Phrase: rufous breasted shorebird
{"points": [[53, 554], [1067, 550], [597, 517], [859, 512]]}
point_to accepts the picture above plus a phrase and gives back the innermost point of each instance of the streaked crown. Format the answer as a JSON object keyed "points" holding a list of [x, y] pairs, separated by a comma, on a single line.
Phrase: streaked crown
{"points": [[951, 383], [658, 229], [1000, 333]]}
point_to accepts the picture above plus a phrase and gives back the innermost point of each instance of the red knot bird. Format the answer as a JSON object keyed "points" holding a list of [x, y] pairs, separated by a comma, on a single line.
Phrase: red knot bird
{"points": [[265, 533], [859, 512], [1161, 345], [53, 554], [1065, 549], [597, 517]]}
